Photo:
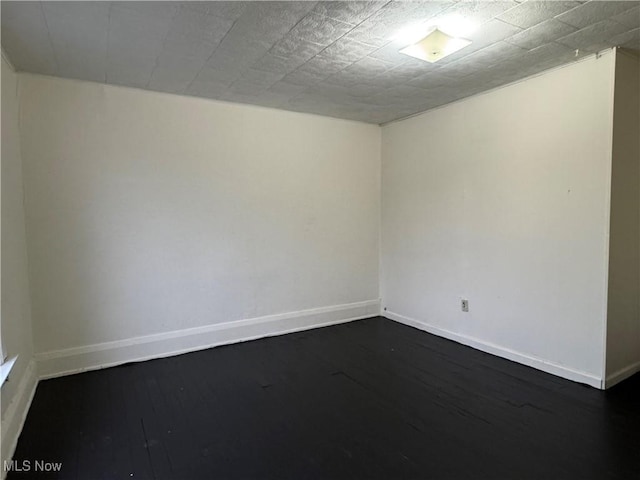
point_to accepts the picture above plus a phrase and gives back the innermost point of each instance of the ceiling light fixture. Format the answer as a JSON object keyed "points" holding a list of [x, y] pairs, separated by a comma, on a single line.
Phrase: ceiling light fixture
{"points": [[435, 46], [435, 38]]}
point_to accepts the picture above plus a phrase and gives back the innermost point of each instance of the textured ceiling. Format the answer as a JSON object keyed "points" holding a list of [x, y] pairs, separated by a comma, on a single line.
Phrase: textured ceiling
{"points": [[328, 58]]}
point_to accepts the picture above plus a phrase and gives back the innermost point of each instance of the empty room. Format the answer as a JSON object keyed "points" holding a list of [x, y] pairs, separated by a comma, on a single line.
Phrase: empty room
{"points": [[320, 240]]}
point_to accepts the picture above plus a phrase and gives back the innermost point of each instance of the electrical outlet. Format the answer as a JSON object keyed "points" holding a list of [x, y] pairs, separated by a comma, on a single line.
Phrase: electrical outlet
{"points": [[464, 304]]}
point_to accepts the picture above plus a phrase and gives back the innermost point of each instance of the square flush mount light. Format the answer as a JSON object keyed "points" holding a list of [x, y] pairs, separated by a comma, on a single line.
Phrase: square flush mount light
{"points": [[435, 46]]}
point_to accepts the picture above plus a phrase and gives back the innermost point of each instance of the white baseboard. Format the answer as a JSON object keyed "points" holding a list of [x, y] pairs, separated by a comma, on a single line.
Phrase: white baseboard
{"points": [[92, 357], [622, 374], [500, 351], [16, 413]]}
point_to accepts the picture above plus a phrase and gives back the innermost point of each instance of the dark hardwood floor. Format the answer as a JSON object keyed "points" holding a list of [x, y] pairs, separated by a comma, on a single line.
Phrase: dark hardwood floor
{"points": [[368, 399]]}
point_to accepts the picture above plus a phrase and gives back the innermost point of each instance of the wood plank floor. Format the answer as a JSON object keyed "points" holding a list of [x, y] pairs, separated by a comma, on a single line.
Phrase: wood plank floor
{"points": [[368, 399]]}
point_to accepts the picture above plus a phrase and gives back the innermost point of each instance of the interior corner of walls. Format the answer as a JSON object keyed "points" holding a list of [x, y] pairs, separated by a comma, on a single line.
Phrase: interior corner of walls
{"points": [[92, 357], [16, 413]]}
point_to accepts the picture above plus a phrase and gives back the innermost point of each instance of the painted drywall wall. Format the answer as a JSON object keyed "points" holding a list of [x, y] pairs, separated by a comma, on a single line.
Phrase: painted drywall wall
{"points": [[503, 199], [623, 313], [15, 317], [150, 213]]}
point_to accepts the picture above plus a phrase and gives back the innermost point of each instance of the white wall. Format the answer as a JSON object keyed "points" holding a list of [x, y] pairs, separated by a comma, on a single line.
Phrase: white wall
{"points": [[151, 213], [623, 316], [16, 314], [503, 199]]}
